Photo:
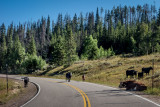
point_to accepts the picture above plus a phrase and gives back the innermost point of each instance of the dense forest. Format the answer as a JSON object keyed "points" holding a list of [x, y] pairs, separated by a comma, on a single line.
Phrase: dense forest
{"points": [[27, 47]]}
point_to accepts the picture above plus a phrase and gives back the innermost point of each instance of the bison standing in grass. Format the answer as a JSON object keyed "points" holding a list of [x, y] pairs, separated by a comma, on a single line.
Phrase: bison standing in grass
{"points": [[132, 85], [147, 70], [131, 73], [140, 75]]}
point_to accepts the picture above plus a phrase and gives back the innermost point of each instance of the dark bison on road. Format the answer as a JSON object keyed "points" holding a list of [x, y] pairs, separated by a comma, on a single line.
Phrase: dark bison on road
{"points": [[132, 85]]}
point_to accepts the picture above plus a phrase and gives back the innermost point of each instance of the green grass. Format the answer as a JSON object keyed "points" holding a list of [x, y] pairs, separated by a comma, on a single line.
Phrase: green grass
{"points": [[154, 91]]}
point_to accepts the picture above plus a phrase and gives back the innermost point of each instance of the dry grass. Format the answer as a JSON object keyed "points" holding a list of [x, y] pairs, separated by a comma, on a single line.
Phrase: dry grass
{"points": [[110, 71], [14, 89]]}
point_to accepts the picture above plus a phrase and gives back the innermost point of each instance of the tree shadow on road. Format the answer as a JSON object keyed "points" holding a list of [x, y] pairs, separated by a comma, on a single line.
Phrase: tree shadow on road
{"points": [[110, 93]]}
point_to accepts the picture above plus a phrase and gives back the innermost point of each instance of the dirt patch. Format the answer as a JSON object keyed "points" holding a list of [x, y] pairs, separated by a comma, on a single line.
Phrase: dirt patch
{"points": [[25, 95]]}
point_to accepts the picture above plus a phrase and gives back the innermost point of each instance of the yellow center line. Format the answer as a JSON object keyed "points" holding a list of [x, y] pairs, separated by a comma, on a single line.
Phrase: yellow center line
{"points": [[83, 94], [84, 100], [89, 104]]}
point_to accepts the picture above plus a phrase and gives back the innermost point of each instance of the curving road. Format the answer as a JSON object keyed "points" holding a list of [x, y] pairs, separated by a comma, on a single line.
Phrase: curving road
{"points": [[59, 93]]}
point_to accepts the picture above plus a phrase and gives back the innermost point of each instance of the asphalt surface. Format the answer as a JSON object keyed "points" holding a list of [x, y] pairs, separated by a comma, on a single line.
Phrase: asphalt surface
{"points": [[59, 93]]}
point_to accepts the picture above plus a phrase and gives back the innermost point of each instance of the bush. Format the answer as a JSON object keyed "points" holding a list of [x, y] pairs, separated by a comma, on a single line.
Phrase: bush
{"points": [[33, 62], [90, 48], [106, 53]]}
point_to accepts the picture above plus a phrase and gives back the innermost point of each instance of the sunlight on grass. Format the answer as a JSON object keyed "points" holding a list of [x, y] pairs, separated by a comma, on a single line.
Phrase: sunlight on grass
{"points": [[111, 71]]}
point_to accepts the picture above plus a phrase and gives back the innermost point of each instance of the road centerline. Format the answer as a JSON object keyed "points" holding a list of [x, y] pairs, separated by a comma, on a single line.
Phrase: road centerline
{"points": [[84, 100], [88, 101], [83, 94]]}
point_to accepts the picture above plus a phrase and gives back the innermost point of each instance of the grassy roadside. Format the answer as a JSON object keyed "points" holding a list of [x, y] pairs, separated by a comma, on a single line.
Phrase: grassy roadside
{"points": [[14, 89], [110, 71]]}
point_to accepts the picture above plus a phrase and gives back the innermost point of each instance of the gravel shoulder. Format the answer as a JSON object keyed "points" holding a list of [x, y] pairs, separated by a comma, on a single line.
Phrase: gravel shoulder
{"points": [[24, 96]]}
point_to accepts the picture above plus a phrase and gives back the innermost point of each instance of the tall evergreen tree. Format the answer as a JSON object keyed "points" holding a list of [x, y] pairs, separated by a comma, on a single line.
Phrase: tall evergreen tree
{"points": [[10, 47], [97, 21], [70, 46], [58, 53], [32, 47], [3, 48], [18, 54], [158, 18]]}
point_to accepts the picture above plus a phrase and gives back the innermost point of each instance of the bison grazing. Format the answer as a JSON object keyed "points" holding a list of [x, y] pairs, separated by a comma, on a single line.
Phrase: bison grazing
{"points": [[140, 75], [147, 70], [131, 73], [132, 85]]}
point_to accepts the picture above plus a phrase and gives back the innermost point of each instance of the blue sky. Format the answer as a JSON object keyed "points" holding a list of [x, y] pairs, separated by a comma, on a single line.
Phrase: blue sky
{"points": [[32, 10]]}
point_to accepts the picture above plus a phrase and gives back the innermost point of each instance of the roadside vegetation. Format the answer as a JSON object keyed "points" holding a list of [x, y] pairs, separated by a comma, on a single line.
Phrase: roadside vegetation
{"points": [[13, 90], [110, 71]]}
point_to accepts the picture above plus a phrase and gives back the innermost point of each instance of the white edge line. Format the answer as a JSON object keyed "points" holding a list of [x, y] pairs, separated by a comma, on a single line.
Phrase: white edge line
{"points": [[129, 93], [144, 98], [132, 94], [39, 89], [98, 84], [140, 97]]}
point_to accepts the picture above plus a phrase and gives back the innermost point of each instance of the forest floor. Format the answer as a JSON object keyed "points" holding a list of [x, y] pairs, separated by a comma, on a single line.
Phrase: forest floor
{"points": [[18, 95], [111, 71]]}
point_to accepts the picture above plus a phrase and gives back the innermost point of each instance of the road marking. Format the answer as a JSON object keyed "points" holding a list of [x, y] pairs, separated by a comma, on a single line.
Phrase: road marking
{"points": [[89, 104], [84, 100], [144, 99], [130, 93], [39, 89], [83, 94]]}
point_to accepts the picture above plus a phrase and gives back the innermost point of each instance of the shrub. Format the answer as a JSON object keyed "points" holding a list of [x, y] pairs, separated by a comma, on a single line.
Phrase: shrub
{"points": [[33, 62]]}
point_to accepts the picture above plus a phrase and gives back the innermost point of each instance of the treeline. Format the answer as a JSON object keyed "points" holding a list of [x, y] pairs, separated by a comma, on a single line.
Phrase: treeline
{"points": [[120, 30]]}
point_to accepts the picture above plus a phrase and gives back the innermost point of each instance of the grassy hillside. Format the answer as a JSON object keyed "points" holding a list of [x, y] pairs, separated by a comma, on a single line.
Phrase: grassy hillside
{"points": [[110, 71]]}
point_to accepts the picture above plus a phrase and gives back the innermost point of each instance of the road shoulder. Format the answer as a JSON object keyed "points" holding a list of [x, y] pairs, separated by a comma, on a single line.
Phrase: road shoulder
{"points": [[27, 94]]}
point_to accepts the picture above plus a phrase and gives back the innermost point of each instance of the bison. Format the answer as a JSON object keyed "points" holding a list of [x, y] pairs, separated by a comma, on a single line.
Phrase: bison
{"points": [[132, 85], [147, 70], [131, 73], [26, 80], [140, 75], [68, 76]]}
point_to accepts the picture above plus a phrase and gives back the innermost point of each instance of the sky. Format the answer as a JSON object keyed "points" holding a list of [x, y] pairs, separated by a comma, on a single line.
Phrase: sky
{"points": [[20, 11]]}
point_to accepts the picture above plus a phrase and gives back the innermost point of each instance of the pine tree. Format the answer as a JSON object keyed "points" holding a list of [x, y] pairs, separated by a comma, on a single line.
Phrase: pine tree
{"points": [[48, 31], [75, 24], [3, 48], [97, 21], [70, 46], [58, 53], [19, 54], [90, 48], [10, 47], [158, 18], [32, 47]]}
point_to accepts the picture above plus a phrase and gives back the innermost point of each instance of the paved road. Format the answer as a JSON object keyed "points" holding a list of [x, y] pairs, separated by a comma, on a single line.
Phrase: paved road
{"points": [[59, 93]]}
